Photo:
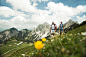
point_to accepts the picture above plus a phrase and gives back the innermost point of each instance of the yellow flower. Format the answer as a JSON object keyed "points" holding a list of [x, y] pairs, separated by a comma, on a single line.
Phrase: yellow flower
{"points": [[43, 39], [69, 39], [63, 49], [38, 45], [80, 27], [81, 32], [29, 53], [74, 34], [19, 56], [70, 34]]}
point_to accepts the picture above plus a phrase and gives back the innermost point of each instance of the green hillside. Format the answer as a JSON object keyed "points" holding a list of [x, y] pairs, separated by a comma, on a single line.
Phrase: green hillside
{"points": [[78, 30], [11, 47], [71, 44]]}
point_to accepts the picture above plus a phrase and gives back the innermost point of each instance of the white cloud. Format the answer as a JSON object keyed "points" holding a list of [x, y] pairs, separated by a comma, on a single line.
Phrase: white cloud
{"points": [[35, 4], [61, 9], [39, 0], [23, 5], [7, 12], [36, 0], [80, 19], [59, 12], [18, 22]]}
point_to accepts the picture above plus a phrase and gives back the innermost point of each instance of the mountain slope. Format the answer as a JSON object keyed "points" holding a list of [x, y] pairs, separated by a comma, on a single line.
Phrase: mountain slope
{"points": [[5, 35], [41, 31], [69, 23]]}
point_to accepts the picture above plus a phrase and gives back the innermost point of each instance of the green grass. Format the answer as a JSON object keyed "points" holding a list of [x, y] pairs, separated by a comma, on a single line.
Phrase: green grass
{"points": [[78, 30], [13, 47], [6, 47], [66, 45]]}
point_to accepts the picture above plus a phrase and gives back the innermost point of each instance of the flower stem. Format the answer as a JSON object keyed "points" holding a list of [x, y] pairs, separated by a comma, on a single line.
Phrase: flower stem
{"points": [[39, 53]]}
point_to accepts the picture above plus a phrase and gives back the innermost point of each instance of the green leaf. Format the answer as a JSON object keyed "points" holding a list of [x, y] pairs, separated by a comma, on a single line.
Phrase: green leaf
{"points": [[50, 50]]}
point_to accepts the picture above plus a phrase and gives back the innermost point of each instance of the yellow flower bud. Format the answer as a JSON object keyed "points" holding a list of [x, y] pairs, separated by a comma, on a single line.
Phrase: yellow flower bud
{"points": [[74, 34], [43, 39], [63, 49]]}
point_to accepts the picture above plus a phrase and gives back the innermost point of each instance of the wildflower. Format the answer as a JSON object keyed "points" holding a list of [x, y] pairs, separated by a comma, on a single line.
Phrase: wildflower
{"points": [[29, 53], [83, 38], [84, 33], [43, 39], [46, 40], [19, 56], [67, 51], [38, 45], [69, 39], [61, 39], [43, 47], [58, 47], [70, 34], [74, 34], [63, 49], [32, 53], [80, 27], [23, 54], [52, 40], [78, 33]]}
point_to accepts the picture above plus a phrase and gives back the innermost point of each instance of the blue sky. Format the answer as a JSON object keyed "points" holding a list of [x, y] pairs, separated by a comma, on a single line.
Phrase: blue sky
{"points": [[28, 14]]}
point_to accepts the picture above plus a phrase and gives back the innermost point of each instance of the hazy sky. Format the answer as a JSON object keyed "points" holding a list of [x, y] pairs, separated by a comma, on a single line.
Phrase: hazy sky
{"points": [[28, 14]]}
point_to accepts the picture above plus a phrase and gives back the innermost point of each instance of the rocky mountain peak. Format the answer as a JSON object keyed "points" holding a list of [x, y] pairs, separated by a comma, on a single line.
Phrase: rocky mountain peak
{"points": [[13, 28], [45, 23], [42, 30], [69, 23]]}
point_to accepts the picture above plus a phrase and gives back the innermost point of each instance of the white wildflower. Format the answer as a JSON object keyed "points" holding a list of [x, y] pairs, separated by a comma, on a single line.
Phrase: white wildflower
{"points": [[32, 53], [52, 40], [23, 54], [46, 40], [83, 33]]}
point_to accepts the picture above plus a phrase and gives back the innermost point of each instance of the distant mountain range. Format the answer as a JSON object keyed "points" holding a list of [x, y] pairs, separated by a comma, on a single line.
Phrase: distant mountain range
{"points": [[42, 30]]}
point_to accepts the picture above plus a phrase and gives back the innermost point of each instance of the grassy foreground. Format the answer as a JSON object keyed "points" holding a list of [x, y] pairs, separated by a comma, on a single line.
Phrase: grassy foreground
{"points": [[71, 44], [6, 50]]}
